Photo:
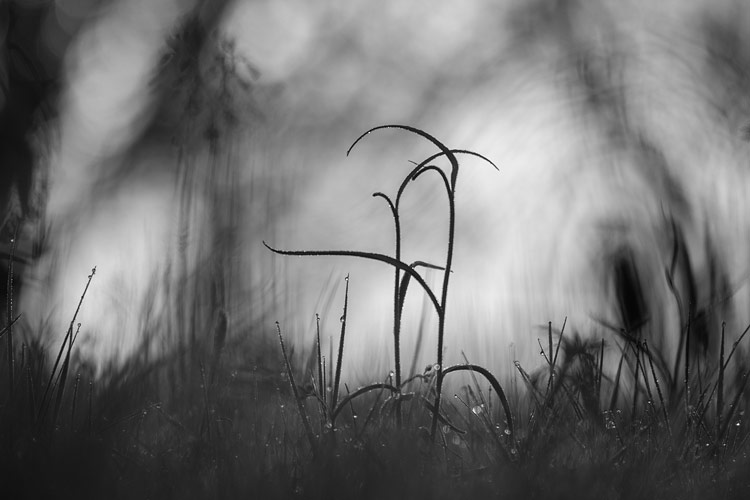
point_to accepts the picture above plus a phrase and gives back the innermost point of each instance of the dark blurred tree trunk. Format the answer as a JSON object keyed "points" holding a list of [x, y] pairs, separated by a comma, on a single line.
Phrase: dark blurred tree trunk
{"points": [[29, 76], [34, 38]]}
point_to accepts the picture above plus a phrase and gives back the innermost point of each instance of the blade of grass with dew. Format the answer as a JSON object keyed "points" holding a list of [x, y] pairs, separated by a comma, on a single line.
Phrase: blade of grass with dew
{"points": [[295, 393], [342, 336]]}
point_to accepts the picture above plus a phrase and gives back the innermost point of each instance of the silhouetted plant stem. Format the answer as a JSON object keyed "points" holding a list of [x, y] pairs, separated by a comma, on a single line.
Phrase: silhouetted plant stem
{"points": [[9, 315], [339, 359], [321, 379], [368, 256], [658, 388], [720, 393], [687, 363], [360, 392], [67, 342], [399, 292], [495, 385], [401, 283], [295, 392]]}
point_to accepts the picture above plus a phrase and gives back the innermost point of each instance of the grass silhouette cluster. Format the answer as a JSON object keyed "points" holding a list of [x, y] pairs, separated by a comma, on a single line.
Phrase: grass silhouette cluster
{"points": [[225, 417]]}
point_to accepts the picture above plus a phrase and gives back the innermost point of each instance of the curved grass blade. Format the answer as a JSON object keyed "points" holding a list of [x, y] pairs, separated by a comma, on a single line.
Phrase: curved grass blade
{"points": [[365, 255]]}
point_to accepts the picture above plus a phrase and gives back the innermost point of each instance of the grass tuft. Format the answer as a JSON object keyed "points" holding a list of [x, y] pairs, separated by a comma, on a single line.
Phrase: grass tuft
{"points": [[210, 419]]}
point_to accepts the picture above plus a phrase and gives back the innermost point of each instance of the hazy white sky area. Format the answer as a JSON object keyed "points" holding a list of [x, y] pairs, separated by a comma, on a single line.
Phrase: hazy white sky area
{"points": [[593, 112]]}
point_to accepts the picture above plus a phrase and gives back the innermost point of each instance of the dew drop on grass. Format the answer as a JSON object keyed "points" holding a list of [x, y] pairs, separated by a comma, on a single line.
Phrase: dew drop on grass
{"points": [[609, 420], [477, 410], [507, 432]]}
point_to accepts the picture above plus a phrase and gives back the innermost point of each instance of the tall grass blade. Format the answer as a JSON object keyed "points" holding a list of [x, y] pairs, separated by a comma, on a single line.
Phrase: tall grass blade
{"points": [[7, 328], [63, 376], [495, 385], [616, 383], [733, 407], [74, 401], [600, 372], [9, 315], [321, 366], [368, 256], [720, 387], [359, 392], [295, 393], [67, 340], [687, 362], [340, 357], [735, 345], [658, 389]]}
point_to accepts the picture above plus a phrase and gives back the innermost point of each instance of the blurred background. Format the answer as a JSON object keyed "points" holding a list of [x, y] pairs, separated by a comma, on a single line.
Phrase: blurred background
{"points": [[163, 140]]}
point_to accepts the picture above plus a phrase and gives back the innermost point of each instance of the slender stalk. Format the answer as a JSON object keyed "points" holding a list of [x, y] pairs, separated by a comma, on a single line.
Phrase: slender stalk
{"points": [[68, 339], [321, 380], [398, 298], [599, 375], [295, 392], [9, 316], [360, 392], [495, 385], [687, 363], [339, 359], [720, 393], [658, 389], [75, 399], [367, 256]]}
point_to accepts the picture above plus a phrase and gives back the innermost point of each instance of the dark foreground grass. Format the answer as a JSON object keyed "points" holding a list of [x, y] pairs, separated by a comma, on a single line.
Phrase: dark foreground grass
{"points": [[159, 432], [247, 418]]}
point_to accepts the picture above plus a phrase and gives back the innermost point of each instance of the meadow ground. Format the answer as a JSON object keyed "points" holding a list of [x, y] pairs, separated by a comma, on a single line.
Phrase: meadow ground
{"points": [[622, 201], [231, 418]]}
